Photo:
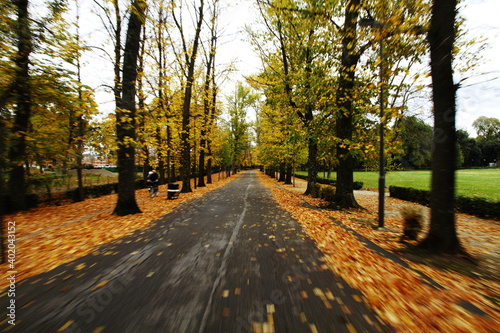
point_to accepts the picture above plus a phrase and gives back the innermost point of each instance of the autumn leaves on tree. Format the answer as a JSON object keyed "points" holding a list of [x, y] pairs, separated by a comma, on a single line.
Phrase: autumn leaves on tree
{"points": [[319, 68], [323, 72], [318, 77]]}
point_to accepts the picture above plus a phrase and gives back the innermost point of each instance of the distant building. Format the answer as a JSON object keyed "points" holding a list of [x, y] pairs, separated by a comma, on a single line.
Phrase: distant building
{"points": [[97, 162]]}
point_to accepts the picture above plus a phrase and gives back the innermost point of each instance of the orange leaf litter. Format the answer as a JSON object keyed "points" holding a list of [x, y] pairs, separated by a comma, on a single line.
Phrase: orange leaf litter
{"points": [[51, 236], [398, 295], [48, 237]]}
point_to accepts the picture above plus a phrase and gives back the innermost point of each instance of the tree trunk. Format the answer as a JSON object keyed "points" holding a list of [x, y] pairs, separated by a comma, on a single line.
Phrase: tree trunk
{"points": [[209, 101], [289, 173], [205, 124], [201, 168], [212, 120], [282, 172], [312, 157], [170, 168], [344, 194], [209, 169], [21, 91], [81, 124], [146, 166], [186, 107], [117, 88], [79, 155], [160, 151], [3, 166], [185, 145], [142, 112], [442, 237], [312, 164], [126, 116]]}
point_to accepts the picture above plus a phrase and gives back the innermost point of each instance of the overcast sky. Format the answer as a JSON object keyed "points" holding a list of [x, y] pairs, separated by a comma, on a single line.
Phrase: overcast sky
{"points": [[480, 92], [479, 95]]}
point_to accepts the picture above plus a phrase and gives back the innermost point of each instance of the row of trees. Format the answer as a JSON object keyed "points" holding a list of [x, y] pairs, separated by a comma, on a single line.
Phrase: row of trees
{"points": [[331, 67], [323, 74], [411, 149], [165, 83], [318, 77], [484, 150], [415, 152], [43, 104]]}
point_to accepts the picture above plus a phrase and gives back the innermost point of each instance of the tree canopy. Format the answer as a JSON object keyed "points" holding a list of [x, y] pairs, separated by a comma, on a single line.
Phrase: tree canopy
{"points": [[328, 69]]}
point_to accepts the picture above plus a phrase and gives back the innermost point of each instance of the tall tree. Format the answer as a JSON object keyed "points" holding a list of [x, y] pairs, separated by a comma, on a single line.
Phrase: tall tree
{"points": [[3, 166], [298, 68], [79, 124], [163, 140], [22, 93], [141, 106], [488, 139], [487, 128], [239, 103], [344, 195], [416, 138], [113, 26], [280, 139], [442, 236], [155, 125], [126, 115], [116, 27], [469, 149], [209, 94], [190, 54]]}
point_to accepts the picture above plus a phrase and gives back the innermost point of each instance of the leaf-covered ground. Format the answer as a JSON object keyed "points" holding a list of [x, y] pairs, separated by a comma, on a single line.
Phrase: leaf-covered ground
{"points": [[50, 236], [398, 294], [47, 237]]}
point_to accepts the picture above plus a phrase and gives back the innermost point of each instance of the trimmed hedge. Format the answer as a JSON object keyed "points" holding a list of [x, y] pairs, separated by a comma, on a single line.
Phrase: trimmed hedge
{"points": [[300, 176], [475, 206], [410, 194], [333, 182], [93, 191], [33, 200], [478, 207], [100, 190]]}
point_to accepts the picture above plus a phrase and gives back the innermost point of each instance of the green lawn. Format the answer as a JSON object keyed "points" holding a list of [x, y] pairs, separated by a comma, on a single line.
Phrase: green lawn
{"points": [[483, 183]]}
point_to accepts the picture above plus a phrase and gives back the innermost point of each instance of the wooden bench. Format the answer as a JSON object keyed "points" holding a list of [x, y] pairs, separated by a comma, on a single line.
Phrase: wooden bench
{"points": [[172, 190]]}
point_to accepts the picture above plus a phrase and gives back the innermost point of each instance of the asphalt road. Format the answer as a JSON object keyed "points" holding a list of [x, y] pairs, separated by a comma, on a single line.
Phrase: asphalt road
{"points": [[230, 261]]}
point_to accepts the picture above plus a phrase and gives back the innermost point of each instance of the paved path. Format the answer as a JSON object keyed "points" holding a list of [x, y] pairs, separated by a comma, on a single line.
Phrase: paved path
{"points": [[230, 261]]}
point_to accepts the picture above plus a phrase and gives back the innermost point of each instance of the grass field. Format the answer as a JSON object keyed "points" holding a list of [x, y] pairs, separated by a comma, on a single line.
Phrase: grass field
{"points": [[483, 183]]}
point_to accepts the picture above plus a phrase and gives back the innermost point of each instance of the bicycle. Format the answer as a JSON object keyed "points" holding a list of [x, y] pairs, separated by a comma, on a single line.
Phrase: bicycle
{"points": [[153, 189]]}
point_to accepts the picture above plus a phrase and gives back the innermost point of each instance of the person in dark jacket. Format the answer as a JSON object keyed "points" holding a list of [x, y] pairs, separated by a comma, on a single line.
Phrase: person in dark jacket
{"points": [[152, 182]]}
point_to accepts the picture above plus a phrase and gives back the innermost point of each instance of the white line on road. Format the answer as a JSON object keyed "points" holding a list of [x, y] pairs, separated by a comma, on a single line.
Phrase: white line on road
{"points": [[222, 269]]}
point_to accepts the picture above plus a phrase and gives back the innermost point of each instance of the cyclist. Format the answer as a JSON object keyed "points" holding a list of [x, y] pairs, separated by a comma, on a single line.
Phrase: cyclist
{"points": [[152, 182]]}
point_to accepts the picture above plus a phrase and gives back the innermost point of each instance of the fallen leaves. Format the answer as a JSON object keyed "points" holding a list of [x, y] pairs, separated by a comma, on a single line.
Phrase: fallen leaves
{"points": [[100, 284], [398, 295], [65, 326], [48, 237]]}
